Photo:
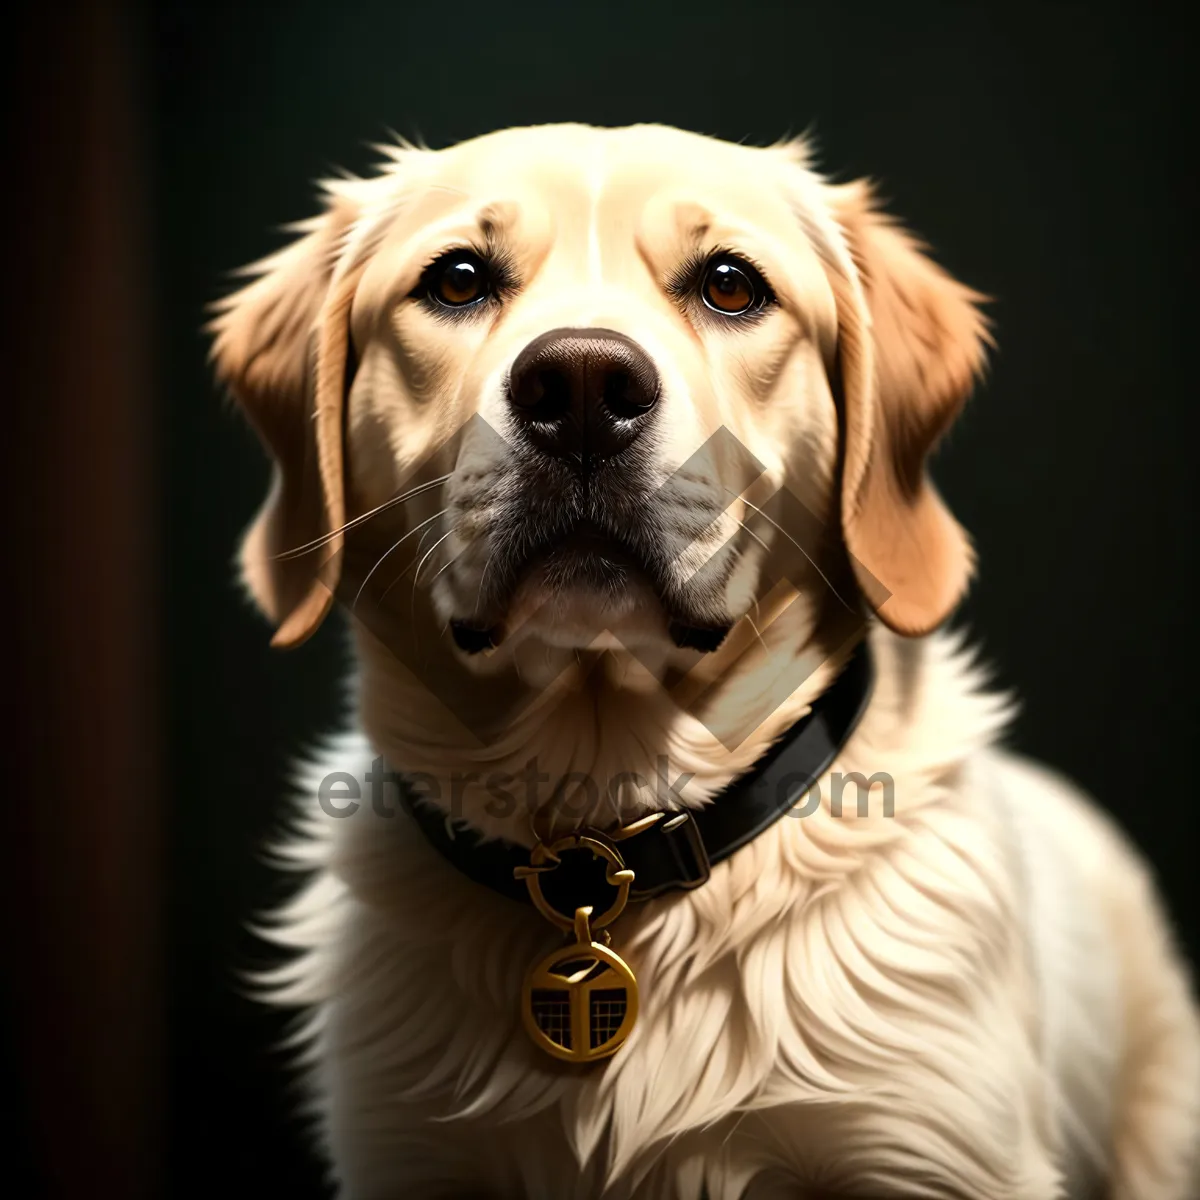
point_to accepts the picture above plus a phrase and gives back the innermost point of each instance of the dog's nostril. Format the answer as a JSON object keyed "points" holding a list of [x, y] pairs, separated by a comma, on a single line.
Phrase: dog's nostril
{"points": [[555, 398], [470, 638], [544, 395], [626, 397]]}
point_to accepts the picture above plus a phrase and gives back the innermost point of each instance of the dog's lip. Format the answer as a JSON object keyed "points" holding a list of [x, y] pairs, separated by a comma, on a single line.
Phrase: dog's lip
{"points": [[586, 556], [583, 544], [627, 568], [588, 540]]}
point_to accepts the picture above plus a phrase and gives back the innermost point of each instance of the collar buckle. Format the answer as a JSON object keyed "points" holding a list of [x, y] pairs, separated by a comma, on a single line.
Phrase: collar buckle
{"points": [[680, 837]]}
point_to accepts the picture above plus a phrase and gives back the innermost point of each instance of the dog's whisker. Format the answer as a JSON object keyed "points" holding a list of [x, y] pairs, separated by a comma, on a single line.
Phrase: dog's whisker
{"points": [[325, 539], [744, 526], [757, 634], [443, 569], [431, 550], [417, 576], [771, 520], [482, 578], [421, 541], [383, 594], [395, 546]]}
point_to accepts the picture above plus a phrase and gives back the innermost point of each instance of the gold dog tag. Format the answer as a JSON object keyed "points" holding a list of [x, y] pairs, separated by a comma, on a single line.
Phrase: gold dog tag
{"points": [[580, 1003]]}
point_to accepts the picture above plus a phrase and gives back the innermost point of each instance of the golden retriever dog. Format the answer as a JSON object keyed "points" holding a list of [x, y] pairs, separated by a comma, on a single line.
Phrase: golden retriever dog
{"points": [[613, 444]]}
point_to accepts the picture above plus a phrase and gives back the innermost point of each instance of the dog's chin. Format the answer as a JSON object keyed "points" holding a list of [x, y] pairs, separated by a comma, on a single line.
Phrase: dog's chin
{"points": [[587, 593], [595, 608], [583, 603]]}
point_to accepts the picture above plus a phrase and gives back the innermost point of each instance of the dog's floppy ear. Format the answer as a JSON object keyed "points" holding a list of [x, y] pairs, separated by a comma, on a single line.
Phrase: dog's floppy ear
{"points": [[912, 341], [281, 346]]}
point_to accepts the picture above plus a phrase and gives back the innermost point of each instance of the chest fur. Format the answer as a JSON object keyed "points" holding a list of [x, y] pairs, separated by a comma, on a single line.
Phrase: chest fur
{"points": [[777, 1003]]}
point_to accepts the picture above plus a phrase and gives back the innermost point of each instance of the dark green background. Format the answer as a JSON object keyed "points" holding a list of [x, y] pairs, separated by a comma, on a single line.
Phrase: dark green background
{"points": [[1044, 154]]}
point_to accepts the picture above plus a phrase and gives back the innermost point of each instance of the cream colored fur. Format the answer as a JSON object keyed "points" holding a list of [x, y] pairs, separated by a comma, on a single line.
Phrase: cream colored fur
{"points": [[974, 998]]}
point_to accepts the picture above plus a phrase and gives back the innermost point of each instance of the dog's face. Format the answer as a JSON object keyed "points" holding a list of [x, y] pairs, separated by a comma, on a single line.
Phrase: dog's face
{"points": [[616, 346]]}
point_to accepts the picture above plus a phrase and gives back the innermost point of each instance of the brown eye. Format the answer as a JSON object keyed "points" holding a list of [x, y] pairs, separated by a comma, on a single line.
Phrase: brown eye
{"points": [[459, 279], [732, 286]]}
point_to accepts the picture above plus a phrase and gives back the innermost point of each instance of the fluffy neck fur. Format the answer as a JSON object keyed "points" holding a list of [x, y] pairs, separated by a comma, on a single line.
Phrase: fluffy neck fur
{"points": [[608, 738]]}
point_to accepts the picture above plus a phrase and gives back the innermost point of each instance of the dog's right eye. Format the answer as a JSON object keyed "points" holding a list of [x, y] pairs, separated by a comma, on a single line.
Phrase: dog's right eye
{"points": [[458, 280]]}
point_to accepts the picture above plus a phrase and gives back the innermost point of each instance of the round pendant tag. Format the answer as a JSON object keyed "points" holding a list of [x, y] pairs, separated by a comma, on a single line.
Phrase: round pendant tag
{"points": [[580, 1003]]}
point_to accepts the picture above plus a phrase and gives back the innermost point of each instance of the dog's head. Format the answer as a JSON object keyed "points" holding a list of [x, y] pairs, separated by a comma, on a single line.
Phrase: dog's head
{"points": [[607, 343]]}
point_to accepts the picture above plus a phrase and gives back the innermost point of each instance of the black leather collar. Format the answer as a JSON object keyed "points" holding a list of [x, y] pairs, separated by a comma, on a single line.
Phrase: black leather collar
{"points": [[677, 852]]}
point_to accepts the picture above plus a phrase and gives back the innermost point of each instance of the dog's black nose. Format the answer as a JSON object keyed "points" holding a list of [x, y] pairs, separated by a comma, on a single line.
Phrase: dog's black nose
{"points": [[583, 394]]}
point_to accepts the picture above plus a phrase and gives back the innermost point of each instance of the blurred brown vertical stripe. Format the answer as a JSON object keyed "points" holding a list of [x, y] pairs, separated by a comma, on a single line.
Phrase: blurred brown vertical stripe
{"points": [[83, 828]]}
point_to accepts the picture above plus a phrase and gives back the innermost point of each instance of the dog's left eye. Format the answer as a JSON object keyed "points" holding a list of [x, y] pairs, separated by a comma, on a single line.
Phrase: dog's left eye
{"points": [[731, 286], [458, 280]]}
